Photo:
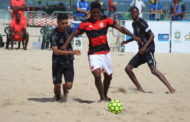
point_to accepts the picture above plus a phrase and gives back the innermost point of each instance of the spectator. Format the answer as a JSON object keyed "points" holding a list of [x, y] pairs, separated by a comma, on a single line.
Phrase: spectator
{"points": [[140, 5], [18, 6], [18, 32], [183, 4], [103, 6], [112, 7], [82, 11], [177, 10], [155, 10]]}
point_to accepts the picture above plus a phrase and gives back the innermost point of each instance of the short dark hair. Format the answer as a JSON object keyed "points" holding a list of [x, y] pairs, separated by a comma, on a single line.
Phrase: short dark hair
{"points": [[134, 7], [62, 16], [95, 5]]}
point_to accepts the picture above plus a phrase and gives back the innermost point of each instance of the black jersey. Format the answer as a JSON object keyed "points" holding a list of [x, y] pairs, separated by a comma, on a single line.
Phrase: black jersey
{"points": [[58, 39], [141, 30]]}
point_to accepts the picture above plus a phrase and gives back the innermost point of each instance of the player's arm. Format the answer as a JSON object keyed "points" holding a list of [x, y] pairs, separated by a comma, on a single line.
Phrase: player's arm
{"points": [[57, 51], [74, 34], [127, 41], [127, 32]]}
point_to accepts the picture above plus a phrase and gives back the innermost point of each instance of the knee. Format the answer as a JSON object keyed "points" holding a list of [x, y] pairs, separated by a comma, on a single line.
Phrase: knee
{"points": [[128, 69], [69, 85], [57, 86], [154, 71], [109, 78]]}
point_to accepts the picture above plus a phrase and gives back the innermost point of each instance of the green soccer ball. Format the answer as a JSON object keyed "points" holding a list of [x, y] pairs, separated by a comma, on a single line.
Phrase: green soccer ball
{"points": [[115, 106]]}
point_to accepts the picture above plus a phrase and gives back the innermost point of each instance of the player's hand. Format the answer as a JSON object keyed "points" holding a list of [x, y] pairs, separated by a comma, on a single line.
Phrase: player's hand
{"points": [[76, 52], [142, 50], [123, 42]]}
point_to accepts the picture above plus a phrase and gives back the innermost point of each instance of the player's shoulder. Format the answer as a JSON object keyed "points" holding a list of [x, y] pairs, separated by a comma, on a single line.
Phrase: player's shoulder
{"points": [[143, 22]]}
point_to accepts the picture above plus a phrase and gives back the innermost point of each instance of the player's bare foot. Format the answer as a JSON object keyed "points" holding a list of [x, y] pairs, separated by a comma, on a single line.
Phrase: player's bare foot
{"points": [[172, 91], [140, 90], [58, 98], [107, 99], [102, 99]]}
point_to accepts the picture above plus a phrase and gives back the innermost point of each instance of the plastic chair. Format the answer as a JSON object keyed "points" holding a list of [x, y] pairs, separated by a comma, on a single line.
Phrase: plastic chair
{"points": [[7, 30], [45, 31]]}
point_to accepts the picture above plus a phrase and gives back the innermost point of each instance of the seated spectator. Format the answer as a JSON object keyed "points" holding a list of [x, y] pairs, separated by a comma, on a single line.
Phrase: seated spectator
{"points": [[18, 32], [18, 6], [177, 10], [140, 5], [112, 7], [155, 10], [82, 10]]}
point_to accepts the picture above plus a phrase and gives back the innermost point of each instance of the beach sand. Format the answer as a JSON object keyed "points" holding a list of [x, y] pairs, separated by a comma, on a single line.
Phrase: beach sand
{"points": [[26, 90]]}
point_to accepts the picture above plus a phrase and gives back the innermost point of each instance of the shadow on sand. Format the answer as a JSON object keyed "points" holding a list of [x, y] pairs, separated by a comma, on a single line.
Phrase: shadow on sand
{"points": [[83, 101], [42, 99]]}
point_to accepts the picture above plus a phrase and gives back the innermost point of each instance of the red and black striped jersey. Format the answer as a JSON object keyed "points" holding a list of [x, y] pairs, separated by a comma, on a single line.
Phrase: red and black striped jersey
{"points": [[96, 32]]}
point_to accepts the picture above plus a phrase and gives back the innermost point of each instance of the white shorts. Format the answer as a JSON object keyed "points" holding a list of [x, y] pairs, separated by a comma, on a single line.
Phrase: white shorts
{"points": [[102, 62]]}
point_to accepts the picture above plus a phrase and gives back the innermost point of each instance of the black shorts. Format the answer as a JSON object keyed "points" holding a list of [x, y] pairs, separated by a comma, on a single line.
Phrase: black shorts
{"points": [[60, 68], [139, 59]]}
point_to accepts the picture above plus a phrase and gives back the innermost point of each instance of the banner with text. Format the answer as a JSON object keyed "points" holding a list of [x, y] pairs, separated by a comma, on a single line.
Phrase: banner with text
{"points": [[180, 37], [161, 32]]}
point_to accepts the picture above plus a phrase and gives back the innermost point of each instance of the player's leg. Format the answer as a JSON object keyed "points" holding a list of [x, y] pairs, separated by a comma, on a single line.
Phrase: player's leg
{"points": [[95, 62], [107, 81], [66, 87], [97, 76], [152, 65], [68, 71], [157, 73], [134, 63], [57, 91], [128, 70], [107, 66], [57, 79]]}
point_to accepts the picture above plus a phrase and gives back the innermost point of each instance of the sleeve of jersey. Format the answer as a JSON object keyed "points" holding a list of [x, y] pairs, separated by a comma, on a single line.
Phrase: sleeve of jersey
{"points": [[53, 40], [81, 27], [110, 21], [145, 27], [12, 3]]}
